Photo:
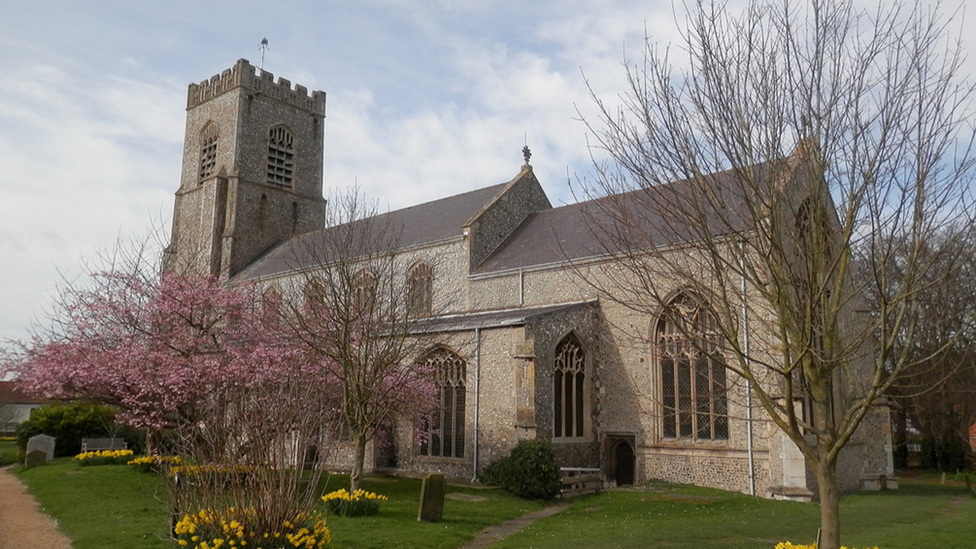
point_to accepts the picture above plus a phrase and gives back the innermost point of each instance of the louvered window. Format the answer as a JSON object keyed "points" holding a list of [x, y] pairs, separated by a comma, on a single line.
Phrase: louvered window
{"points": [[281, 157]]}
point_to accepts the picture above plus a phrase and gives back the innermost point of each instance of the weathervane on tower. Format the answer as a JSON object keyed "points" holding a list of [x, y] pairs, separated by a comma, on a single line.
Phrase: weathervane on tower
{"points": [[264, 48]]}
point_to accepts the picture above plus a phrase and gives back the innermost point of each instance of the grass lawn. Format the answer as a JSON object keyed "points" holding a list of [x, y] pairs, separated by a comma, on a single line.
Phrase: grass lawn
{"points": [[114, 506], [8, 452], [917, 515]]}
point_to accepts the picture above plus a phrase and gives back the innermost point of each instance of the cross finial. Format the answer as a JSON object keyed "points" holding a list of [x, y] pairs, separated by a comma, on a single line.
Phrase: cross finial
{"points": [[526, 154]]}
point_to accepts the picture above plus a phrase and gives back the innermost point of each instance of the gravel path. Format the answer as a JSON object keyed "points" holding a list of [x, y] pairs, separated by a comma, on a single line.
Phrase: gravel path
{"points": [[22, 524]]}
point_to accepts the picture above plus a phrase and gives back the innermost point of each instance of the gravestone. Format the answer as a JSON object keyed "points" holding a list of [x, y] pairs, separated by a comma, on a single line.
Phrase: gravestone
{"points": [[35, 458], [431, 498], [43, 443]]}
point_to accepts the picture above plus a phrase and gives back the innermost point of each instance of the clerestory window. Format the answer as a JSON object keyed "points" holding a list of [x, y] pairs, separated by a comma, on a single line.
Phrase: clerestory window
{"points": [[364, 291], [281, 157], [693, 381], [443, 431], [420, 286]]}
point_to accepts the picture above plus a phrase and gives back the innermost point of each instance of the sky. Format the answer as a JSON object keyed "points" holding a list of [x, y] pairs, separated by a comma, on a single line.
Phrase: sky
{"points": [[425, 99]]}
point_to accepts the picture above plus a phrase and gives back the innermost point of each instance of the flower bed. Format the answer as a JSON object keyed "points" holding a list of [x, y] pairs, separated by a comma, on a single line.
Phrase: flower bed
{"points": [[788, 545], [155, 464], [209, 529], [104, 457], [357, 504]]}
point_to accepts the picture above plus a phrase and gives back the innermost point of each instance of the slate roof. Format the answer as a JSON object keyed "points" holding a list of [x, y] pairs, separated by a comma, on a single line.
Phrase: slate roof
{"points": [[497, 318], [587, 229], [421, 224]]}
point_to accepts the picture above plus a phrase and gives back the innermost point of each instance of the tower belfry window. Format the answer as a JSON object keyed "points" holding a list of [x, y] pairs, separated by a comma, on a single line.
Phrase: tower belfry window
{"points": [[208, 150], [281, 157]]}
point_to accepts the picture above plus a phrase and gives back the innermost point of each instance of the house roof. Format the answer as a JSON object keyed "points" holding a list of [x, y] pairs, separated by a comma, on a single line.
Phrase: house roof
{"points": [[11, 394], [417, 225]]}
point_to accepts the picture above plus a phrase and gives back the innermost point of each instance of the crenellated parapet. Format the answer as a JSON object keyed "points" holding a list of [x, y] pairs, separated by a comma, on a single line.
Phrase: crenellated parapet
{"points": [[243, 74]]}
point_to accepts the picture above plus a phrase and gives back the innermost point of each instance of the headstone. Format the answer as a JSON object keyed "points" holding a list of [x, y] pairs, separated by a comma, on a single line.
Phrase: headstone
{"points": [[431, 498], [35, 458], [44, 443]]}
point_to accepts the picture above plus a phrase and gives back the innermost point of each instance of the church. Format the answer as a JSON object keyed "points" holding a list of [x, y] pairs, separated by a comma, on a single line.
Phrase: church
{"points": [[526, 349]]}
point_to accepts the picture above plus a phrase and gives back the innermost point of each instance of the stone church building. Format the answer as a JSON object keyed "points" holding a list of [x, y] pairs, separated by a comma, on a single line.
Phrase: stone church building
{"points": [[525, 349]]}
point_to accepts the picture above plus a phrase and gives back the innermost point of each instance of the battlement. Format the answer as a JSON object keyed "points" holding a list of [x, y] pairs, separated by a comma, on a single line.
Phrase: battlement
{"points": [[243, 74]]}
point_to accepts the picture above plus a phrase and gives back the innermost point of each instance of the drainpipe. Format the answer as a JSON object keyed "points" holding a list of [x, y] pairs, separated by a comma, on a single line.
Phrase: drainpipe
{"points": [[477, 397], [745, 343]]}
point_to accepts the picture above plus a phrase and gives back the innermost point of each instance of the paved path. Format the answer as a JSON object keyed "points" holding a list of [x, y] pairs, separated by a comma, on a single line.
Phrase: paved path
{"points": [[495, 533], [22, 524]]}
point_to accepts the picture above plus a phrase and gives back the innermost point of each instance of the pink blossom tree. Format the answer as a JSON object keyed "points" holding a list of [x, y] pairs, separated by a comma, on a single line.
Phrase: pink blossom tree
{"points": [[206, 362], [352, 314]]}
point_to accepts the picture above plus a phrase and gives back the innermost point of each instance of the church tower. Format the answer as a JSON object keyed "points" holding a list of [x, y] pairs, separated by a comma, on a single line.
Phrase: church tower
{"points": [[252, 170]]}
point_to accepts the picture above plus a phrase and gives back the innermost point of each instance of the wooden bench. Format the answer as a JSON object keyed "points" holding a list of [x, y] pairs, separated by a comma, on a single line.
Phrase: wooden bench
{"points": [[577, 481], [100, 444]]}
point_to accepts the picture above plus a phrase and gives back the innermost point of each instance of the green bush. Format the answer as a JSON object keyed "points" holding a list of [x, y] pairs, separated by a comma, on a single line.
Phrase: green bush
{"points": [[530, 471], [68, 424]]}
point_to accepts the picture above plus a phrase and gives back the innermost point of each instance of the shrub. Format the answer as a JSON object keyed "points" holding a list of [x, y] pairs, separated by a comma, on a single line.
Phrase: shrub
{"points": [[357, 504], [68, 424], [529, 471]]}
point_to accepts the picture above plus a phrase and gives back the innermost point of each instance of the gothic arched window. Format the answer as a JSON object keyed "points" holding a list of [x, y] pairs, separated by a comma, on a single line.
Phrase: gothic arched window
{"points": [[693, 384], [364, 290], [281, 156], [420, 287], [208, 150], [569, 394], [444, 429]]}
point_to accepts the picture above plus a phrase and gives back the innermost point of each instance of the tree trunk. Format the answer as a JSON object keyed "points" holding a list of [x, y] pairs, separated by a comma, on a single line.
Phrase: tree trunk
{"points": [[356, 478], [829, 506]]}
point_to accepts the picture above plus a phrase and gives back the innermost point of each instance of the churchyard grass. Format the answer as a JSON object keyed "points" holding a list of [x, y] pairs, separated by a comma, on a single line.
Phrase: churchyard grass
{"points": [[116, 506], [99, 507], [8, 451], [661, 515]]}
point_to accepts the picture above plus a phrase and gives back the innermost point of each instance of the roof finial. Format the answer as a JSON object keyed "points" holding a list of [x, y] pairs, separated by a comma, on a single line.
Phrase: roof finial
{"points": [[526, 154]]}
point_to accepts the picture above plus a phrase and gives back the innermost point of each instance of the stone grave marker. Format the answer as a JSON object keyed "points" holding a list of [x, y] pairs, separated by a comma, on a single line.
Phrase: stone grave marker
{"points": [[44, 443], [35, 458], [431, 507]]}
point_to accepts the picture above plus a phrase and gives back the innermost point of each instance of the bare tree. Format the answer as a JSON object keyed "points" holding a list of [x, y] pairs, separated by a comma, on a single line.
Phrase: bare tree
{"points": [[827, 132], [938, 401], [353, 308]]}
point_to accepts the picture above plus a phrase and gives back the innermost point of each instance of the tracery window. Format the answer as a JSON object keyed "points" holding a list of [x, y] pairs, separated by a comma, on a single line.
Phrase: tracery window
{"points": [[208, 150], [271, 304], [444, 430], [569, 395], [693, 380], [281, 156], [420, 285], [364, 290], [314, 293]]}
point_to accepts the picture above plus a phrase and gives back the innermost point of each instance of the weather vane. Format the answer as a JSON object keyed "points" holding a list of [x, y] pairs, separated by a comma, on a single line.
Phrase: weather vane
{"points": [[526, 154], [264, 48]]}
